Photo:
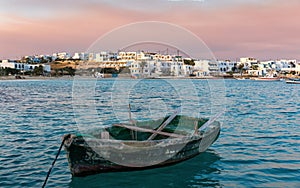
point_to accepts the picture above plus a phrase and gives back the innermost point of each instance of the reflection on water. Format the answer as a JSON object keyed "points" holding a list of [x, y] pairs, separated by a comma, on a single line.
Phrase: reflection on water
{"points": [[194, 172]]}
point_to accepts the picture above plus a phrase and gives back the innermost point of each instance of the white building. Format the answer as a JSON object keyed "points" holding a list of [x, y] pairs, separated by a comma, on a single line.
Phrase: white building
{"points": [[272, 67], [248, 62], [297, 69], [91, 57], [61, 55], [206, 68], [101, 57], [156, 68], [226, 66], [127, 56], [23, 67], [141, 69], [188, 70], [177, 68], [286, 65], [201, 68], [161, 68], [81, 56], [161, 57], [264, 68]]}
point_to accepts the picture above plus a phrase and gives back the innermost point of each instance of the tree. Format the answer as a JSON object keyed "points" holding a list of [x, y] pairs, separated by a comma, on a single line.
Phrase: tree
{"points": [[2, 71], [56, 72], [49, 59], [240, 68], [9, 71], [70, 71], [233, 69], [44, 60], [28, 60], [254, 67], [189, 62], [38, 70], [142, 65], [124, 70]]}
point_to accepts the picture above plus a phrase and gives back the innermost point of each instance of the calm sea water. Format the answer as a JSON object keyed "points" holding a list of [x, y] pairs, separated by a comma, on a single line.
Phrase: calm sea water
{"points": [[259, 145]]}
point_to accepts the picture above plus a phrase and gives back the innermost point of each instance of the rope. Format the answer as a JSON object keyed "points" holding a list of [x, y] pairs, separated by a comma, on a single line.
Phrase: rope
{"points": [[61, 145]]}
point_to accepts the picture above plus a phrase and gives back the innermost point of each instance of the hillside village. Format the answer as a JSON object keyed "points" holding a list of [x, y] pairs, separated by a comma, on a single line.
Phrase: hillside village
{"points": [[144, 65]]}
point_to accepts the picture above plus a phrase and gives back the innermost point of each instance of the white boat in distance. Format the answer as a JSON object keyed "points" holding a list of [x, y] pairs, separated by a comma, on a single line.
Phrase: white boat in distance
{"points": [[293, 81], [268, 77]]}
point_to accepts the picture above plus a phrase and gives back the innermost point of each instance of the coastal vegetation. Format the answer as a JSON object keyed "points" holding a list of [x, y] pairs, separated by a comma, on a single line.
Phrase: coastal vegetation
{"points": [[61, 68], [8, 71], [38, 71], [189, 62], [241, 68], [64, 71]]}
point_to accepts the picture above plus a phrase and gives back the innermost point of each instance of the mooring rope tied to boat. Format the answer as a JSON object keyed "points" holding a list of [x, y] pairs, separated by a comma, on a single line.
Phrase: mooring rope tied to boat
{"points": [[52, 165]]}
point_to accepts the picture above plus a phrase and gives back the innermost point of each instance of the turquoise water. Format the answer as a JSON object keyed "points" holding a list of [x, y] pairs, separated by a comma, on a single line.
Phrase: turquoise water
{"points": [[259, 145]]}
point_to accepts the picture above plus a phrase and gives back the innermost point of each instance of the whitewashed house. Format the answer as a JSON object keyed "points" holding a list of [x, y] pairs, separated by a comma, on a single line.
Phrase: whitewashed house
{"points": [[176, 68], [141, 69], [248, 62], [127, 56], [81, 56], [201, 68], [206, 68], [61, 55], [287, 65], [226, 66], [23, 67]]}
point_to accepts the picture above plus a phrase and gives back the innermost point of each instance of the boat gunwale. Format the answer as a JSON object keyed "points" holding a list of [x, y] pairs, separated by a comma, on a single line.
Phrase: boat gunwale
{"points": [[83, 168], [94, 142]]}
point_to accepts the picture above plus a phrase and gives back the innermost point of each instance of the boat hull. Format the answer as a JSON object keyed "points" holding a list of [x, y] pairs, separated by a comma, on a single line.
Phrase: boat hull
{"points": [[267, 79], [292, 82], [92, 156]]}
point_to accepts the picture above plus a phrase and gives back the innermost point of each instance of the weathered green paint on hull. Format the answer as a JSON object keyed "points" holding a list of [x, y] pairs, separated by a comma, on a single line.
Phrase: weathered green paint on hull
{"points": [[90, 155]]}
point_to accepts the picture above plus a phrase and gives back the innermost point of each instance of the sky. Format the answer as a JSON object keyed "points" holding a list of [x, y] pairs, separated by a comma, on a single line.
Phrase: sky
{"points": [[231, 29]]}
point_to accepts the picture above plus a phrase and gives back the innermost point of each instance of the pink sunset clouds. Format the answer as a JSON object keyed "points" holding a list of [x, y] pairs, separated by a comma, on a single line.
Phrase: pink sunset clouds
{"points": [[262, 30]]}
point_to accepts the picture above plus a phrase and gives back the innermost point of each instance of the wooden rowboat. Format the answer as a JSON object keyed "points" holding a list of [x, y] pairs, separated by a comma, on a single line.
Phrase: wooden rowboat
{"points": [[138, 146]]}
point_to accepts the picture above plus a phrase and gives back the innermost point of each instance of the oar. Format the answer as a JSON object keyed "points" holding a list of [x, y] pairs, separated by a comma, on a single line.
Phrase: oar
{"points": [[132, 123], [52, 165], [210, 121], [149, 130], [165, 123], [129, 112]]}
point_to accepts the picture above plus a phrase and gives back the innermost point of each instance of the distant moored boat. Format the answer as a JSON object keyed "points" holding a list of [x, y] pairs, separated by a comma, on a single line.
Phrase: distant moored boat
{"points": [[293, 81], [267, 79]]}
